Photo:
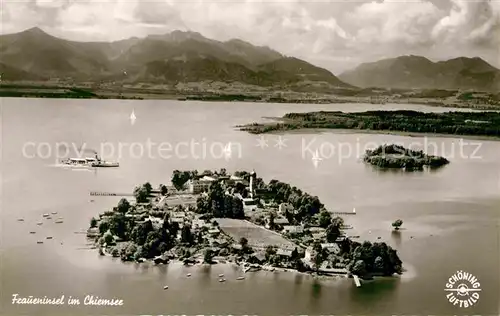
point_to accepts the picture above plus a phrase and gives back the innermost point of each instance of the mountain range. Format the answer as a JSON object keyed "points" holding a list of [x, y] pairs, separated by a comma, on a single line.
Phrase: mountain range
{"points": [[410, 72], [34, 55], [175, 57]]}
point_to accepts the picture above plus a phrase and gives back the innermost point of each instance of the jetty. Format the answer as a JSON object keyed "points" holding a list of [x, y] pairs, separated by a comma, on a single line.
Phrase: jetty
{"points": [[345, 213], [356, 280], [97, 193], [336, 271]]}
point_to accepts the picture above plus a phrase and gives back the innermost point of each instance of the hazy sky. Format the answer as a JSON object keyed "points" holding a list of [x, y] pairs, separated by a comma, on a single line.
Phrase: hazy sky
{"points": [[334, 34]]}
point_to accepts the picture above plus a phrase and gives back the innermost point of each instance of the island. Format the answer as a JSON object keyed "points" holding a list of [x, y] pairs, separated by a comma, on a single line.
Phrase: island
{"points": [[477, 124], [399, 157], [216, 217]]}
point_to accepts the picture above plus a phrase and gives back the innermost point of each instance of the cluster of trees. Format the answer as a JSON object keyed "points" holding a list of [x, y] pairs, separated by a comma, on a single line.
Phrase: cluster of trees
{"points": [[365, 260], [295, 260], [179, 178], [396, 156], [305, 205], [456, 123], [146, 241], [374, 259], [219, 204], [397, 224], [143, 192]]}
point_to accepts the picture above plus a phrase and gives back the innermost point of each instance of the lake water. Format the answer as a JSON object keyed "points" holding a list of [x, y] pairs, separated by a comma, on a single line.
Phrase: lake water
{"points": [[451, 216]]}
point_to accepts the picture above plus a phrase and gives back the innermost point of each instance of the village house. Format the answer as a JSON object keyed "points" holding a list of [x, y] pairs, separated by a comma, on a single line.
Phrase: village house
{"points": [[249, 204], [316, 230], [200, 185], [331, 247], [284, 207], [214, 231], [308, 254], [284, 253], [257, 257], [199, 223], [291, 229], [280, 221], [318, 236], [237, 247], [157, 222]]}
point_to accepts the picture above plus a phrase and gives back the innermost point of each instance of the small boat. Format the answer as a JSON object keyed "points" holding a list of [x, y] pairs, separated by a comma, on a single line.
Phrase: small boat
{"points": [[39, 242], [46, 214], [49, 237], [20, 219], [240, 278], [221, 275], [91, 200], [54, 212], [32, 232], [48, 217], [133, 117], [222, 280], [165, 287], [188, 275], [39, 223], [59, 221]]}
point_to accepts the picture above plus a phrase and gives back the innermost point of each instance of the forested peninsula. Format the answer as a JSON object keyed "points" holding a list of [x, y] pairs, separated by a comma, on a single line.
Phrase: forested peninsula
{"points": [[450, 123]]}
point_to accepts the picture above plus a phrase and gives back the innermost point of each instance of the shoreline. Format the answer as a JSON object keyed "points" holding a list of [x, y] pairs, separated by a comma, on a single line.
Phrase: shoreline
{"points": [[493, 108], [278, 95], [228, 263], [308, 131]]}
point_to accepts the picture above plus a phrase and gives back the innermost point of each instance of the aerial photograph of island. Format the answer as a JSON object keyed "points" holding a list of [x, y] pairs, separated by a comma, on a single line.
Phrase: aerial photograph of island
{"points": [[250, 157]]}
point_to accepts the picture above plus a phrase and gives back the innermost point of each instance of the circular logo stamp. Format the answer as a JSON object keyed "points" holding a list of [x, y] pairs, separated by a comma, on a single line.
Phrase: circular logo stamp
{"points": [[463, 289]]}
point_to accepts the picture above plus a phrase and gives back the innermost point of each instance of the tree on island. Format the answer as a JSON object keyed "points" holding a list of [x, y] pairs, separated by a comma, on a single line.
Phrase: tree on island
{"points": [[163, 189], [141, 194], [179, 178], [118, 225], [148, 187], [208, 256], [108, 238], [93, 222], [332, 232], [140, 232], [129, 251], [377, 258], [244, 244], [325, 218], [397, 224], [359, 268], [103, 227], [186, 235], [338, 221], [123, 206], [317, 259]]}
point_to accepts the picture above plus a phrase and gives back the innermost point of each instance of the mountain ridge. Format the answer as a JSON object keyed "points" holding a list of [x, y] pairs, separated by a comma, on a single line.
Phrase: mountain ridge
{"points": [[179, 56], [417, 72]]}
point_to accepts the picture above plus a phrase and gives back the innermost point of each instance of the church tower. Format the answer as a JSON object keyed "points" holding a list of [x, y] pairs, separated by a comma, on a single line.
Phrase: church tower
{"points": [[253, 177]]}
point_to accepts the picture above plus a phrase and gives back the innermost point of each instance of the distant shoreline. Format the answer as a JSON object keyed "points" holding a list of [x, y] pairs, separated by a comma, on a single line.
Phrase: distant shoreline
{"points": [[471, 125], [41, 90]]}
